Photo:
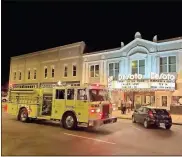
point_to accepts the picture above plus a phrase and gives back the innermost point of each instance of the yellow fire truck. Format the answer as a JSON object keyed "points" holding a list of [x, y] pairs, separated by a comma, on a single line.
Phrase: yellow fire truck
{"points": [[81, 106]]}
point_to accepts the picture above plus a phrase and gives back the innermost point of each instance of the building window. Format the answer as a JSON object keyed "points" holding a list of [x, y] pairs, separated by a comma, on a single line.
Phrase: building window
{"points": [[164, 101], [28, 74], [65, 71], [45, 72], [14, 77], [114, 69], [52, 72], [168, 64], [138, 67], [94, 71], [20, 75], [35, 74], [74, 70]]}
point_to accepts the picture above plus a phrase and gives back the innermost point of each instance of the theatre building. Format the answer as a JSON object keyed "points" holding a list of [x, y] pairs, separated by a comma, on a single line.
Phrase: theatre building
{"points": [[144, 72], [46, 68]]}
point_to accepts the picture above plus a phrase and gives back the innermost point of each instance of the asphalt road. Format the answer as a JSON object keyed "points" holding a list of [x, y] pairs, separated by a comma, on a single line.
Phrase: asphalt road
{"points": [[121, 138]]}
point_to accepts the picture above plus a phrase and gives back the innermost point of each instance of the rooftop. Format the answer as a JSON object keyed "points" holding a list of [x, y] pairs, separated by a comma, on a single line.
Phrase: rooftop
{"points": [[166, 40]]}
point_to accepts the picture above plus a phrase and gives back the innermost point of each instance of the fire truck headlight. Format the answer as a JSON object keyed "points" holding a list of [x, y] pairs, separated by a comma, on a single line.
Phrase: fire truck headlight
{"points": [[98, 110]]}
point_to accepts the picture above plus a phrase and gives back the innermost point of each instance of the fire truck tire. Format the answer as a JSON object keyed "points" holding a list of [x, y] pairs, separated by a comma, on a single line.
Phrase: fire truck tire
{"points": [[69, 121], [23, 115]]}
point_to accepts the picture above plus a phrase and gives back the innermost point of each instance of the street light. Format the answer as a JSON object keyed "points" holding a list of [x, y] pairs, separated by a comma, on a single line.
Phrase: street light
{"points": [[59, 83]]}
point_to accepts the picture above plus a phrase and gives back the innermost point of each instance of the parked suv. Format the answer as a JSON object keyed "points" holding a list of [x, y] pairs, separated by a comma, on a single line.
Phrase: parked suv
{"points": [[148, 116]]}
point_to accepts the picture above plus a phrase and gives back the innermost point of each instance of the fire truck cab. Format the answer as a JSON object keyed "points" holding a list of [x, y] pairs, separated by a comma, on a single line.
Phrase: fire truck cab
{"points": [[74, 106]]}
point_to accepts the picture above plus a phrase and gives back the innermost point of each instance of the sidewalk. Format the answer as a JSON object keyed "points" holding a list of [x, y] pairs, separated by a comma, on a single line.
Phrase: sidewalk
{"points": [[177, 119]]}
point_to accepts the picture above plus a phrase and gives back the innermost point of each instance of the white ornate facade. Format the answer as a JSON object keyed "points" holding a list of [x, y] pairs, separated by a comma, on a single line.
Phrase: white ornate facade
{"points": [[149, 56]]}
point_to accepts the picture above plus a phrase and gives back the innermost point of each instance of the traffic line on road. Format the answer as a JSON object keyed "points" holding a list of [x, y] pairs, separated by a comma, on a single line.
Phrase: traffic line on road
{"points": [[88, 138], [177, 128], [136, 128]]}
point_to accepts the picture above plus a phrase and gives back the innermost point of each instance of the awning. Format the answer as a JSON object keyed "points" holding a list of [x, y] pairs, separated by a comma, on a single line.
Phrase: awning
{"points": [[177, 93]]}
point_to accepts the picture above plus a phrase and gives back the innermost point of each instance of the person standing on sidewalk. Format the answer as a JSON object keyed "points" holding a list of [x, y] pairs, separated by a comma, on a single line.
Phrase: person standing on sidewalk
{"points": [[130, 105], [122, 107]]}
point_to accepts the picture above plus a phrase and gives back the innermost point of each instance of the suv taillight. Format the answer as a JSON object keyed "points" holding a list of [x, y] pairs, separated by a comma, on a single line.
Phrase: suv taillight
{"points": [[169, 115], [110, 105]]}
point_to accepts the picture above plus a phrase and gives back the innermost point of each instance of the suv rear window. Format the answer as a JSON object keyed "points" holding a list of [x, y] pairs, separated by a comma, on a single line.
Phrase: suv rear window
{"points": [[159, 111]]}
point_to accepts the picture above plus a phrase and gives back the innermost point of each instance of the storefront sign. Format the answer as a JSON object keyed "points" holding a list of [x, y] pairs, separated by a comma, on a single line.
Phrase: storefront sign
{"points": [[145, 85], [162, 85], [162, 76], [131, 77], [133, 85], [153, 76]]}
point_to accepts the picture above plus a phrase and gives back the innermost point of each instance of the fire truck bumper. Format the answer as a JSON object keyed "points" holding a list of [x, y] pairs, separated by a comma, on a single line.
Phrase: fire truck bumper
{"points": [[102, 121]]}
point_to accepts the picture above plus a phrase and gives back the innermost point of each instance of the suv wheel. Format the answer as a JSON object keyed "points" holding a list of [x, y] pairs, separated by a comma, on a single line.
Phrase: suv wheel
{"points": [[23, 115], [168, 127], [145, 124], [133, 119]]}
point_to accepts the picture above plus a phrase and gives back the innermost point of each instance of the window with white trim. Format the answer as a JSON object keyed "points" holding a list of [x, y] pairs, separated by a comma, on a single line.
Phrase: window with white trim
{"points": [[14, 76], [28, 74], [35, 74], [168, 64], [138, 67], [94, 71], [52, 71], [114, 69], [45, 72], [74, 70], [19, 75], [65, 71]]}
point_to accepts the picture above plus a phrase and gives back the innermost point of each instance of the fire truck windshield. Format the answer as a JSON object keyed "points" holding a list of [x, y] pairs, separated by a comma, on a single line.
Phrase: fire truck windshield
{"points": [[98, 95]]}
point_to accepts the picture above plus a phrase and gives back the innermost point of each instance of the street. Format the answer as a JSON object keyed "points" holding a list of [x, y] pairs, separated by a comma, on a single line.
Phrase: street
{"points": [[121, 138]]}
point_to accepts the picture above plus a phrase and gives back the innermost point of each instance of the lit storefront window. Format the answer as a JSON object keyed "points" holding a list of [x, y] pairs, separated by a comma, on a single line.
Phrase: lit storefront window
{"points": [[164, 101], [176, 100]]}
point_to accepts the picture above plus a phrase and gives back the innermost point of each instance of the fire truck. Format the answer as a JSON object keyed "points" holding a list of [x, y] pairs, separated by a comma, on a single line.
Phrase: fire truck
{"points": [[73, 106]]}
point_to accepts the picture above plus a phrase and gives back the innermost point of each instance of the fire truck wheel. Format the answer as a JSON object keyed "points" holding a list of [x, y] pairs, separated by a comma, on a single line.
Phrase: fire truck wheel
{"points": [[23, 115], [69, 121]]}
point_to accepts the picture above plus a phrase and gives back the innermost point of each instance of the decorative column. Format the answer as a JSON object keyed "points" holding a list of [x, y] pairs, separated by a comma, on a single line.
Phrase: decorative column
{"points": [[101, 71], [87, 73], [105, 72], [127, 65], [149, 66], [157, 63], [83, 72]]}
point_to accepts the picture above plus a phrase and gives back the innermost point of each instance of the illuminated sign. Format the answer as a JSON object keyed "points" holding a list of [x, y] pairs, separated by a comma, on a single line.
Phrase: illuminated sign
{"points": [[136, 81], [142, 85], [162, 76], [162, 85], [131, 85], [131, 77], [153, 76]]}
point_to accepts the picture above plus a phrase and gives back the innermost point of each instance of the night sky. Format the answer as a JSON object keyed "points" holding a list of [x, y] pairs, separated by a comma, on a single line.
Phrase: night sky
{"points": [[32, 26]]}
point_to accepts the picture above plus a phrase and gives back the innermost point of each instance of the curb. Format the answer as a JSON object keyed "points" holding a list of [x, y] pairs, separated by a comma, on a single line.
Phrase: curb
{"points": [[131, 119]]}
